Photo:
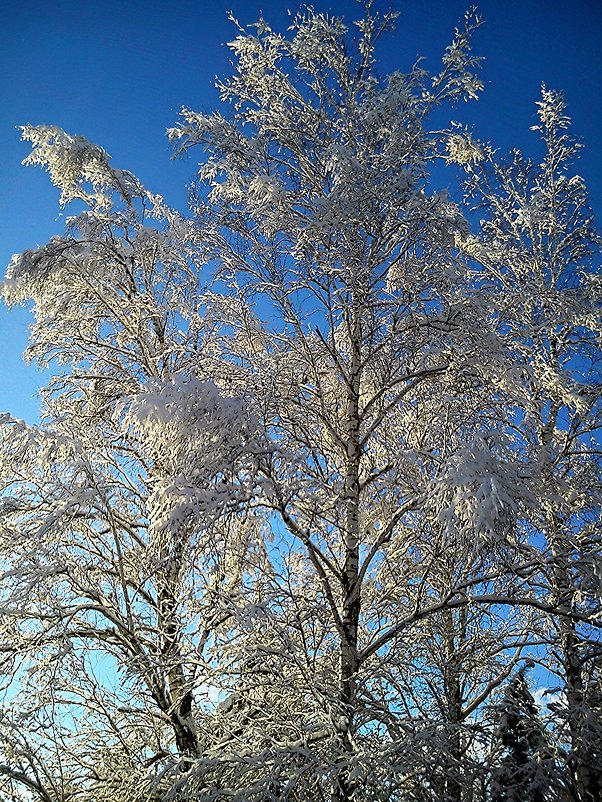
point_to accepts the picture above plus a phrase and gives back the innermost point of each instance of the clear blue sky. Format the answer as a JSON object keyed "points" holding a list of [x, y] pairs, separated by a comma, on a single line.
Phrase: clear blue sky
{"points": [[118, 71]]}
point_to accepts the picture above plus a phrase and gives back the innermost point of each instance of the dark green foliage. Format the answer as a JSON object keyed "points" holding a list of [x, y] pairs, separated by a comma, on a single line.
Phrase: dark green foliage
{"points": [[525, 769]]}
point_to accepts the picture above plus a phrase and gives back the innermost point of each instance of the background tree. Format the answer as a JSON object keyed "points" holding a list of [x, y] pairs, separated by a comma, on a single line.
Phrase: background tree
{"points": [[116, 513], [527, 770], [539, 248]]}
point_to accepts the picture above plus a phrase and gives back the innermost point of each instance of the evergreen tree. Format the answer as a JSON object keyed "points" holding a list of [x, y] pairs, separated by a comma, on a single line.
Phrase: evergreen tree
{"points": [[525, 769]]}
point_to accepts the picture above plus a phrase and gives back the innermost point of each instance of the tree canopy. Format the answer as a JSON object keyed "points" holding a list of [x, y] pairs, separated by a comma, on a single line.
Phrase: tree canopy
{"points": [[318, 473]]}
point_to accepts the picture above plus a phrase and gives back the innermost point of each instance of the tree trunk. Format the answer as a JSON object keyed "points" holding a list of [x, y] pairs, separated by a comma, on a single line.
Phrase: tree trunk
{"points": [[351, 600], [453, 691], [582, 776], [564, 592], [178, 692], [571, 662]]}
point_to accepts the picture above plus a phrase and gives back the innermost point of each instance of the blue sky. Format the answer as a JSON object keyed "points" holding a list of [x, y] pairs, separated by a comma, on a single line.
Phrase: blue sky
{"points": [[118, 71]]}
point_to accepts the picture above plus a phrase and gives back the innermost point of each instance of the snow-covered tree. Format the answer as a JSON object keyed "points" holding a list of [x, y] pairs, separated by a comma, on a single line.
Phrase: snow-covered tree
{"points": [[315, 471], [526, 770], [123, 540], [539, 248]]}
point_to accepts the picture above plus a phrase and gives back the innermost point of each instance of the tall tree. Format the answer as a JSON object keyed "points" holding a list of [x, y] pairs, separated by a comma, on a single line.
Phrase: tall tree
{"points": [[538, 246], [390, 438], [120, 545]]}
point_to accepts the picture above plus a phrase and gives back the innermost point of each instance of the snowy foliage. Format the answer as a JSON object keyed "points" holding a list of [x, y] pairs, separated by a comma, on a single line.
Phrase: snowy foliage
{"points": [[319, 462]]}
